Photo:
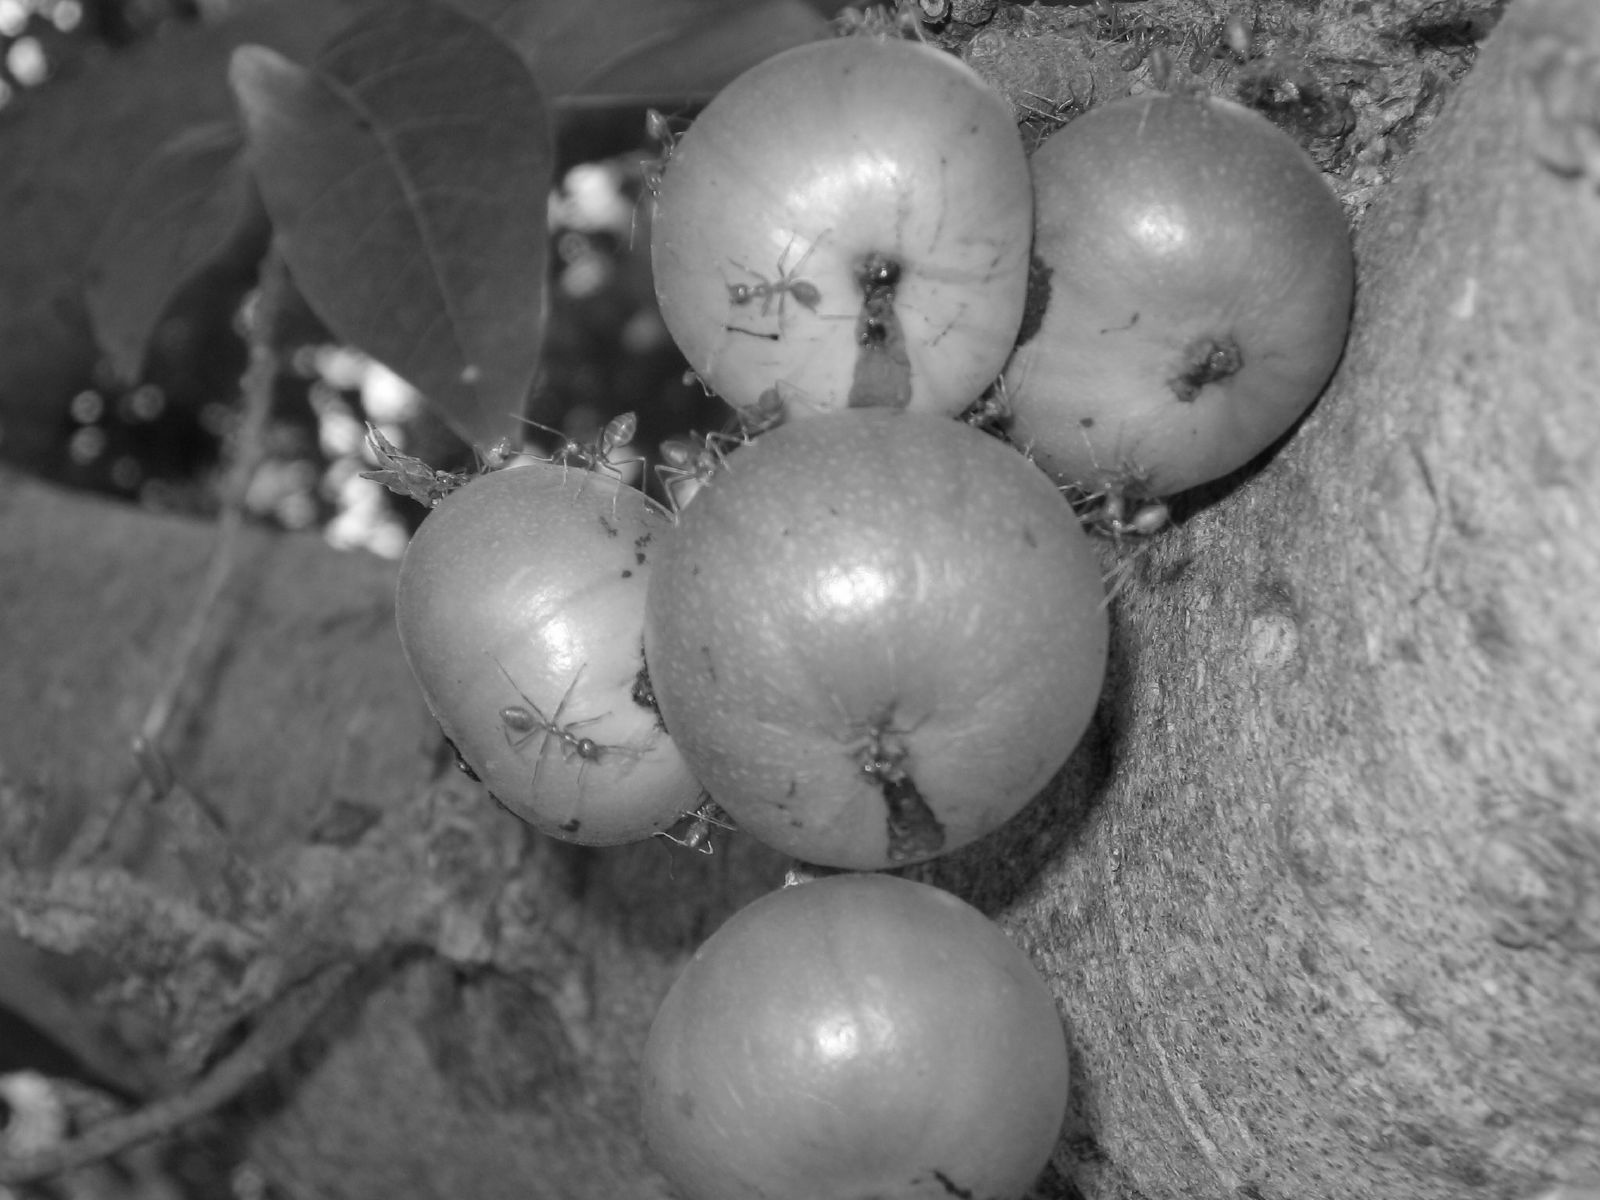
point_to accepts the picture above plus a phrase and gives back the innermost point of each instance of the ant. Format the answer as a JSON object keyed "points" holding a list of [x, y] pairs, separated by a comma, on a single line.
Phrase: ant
{"points": [[1056, 113], [521, 722], [595, 455], [787, 284], [688, 463], [1124, 519], [658, 128], [899, 18], [1121, 510], [1141, 35], [697, 827], [991, 411]]}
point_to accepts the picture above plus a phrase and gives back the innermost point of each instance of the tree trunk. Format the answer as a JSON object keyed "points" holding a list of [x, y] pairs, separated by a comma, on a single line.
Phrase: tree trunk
{"points": [[1326, 919], [1319, 896]]}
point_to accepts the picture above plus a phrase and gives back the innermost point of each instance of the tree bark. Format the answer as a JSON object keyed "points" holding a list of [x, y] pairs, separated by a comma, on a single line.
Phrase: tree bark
{"points": [[1327, 921], [1319, 896]]}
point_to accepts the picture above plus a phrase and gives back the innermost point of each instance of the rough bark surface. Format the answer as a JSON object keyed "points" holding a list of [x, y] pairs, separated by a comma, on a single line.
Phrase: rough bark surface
{"points": [[1319, 896], [1330, 924]]}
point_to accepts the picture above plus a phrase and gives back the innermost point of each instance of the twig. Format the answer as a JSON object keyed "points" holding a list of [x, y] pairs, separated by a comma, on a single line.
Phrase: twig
{"points": [[279, 1030], [155, 778]]}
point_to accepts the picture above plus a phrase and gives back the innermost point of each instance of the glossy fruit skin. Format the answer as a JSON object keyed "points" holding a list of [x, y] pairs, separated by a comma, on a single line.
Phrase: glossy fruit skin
{"points": [[800, 176], [856, 1037], [875, 636], [528, 585], [1172, 227]]}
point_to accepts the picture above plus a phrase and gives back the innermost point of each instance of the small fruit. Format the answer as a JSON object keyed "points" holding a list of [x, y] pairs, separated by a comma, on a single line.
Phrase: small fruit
{"points": [[1199, 288], [856, 1036], [875, 636], [520, 607], [846, 224]]}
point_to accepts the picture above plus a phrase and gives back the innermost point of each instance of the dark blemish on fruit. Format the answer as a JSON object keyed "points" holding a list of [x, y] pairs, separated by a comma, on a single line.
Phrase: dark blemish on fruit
{"points": [[711, 667], [882, 377], [914, 832], [571, 826], [640, 544], [694, 571], [794, 789], [627, 574], [1207, 360], [1031, 542], [643, 692], [1086, 422], [952, 1188], [1037, 300], [877, 276], [1132, 321]]}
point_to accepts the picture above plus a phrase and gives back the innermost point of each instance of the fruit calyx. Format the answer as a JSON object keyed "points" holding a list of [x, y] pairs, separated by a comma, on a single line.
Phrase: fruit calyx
{"points": [[1206, 360], [913, 831], [882, 376]]}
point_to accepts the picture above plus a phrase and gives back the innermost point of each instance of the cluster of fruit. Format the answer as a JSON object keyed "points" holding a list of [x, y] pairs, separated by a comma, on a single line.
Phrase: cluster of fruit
{"points": [[874, 631]]}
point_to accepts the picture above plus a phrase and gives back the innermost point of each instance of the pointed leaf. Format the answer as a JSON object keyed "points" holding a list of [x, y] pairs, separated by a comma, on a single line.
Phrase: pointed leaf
{"points": [[664, 52], [192, 206], [407, 174]]}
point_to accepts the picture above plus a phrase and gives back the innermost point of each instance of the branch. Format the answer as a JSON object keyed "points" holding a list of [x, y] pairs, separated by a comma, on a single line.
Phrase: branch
{"points": [[282, 1027]]}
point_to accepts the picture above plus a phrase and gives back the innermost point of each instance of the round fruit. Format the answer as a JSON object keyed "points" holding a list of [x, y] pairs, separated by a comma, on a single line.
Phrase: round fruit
{"points": [[846, 224], [1199, 289], [875, 636], [859, 1037], [520, 606]]}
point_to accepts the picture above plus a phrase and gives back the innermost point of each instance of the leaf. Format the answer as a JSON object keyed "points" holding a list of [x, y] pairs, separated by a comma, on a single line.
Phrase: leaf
{"points": [[639, 52], [407, 174], [191, 206]]}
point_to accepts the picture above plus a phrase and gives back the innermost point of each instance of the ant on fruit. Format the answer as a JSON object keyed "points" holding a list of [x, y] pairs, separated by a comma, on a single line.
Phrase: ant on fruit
{"points": [[595, 456], [658, 128], [787, 284], [688, 464], [697, 827], [522, 722]]}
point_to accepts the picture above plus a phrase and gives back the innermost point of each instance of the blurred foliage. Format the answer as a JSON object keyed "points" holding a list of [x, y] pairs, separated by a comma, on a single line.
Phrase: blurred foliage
{"points": [[435, 255]]}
